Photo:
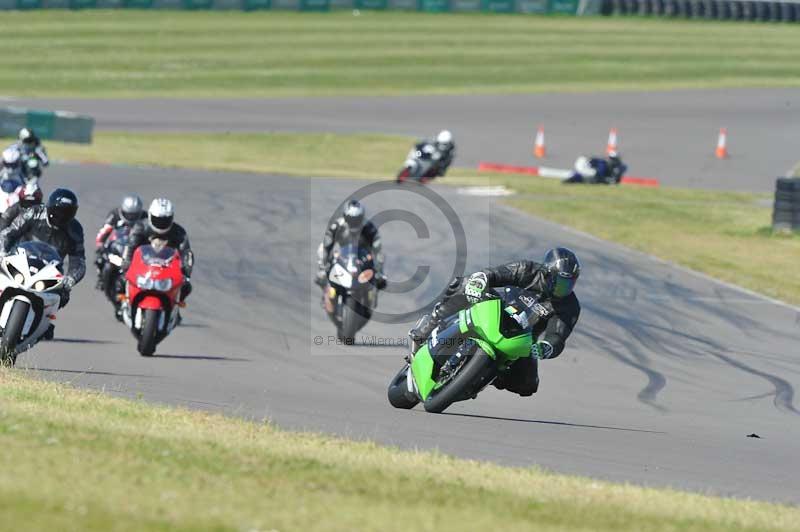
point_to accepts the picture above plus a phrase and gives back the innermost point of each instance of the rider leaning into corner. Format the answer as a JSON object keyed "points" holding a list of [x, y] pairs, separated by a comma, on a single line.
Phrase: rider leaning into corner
{"points": [[29, 196], [160, 225], [352, 223], [55, 224], [553, 280], [442, 151]]}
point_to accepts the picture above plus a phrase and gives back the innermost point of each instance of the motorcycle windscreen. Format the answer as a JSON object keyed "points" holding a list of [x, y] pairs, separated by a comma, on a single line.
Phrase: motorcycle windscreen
{"points": [[157, 256], [40, 254]]}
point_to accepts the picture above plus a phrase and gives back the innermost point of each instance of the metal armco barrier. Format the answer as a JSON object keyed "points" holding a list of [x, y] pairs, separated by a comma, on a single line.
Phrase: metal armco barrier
{"points": [[54, 125], [786, 211], [755, 10]]}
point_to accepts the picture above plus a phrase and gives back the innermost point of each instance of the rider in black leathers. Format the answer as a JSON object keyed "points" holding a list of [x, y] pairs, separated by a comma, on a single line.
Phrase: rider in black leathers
{"points": [[343, 228], [553, 280], [55, 224], [128, 213], [160, 225]]}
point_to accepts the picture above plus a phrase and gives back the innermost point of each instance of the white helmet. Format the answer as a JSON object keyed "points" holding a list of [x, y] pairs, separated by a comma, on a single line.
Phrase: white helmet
{"points": [[26, 135], [444, 139], [11, 157], [160, 215]]}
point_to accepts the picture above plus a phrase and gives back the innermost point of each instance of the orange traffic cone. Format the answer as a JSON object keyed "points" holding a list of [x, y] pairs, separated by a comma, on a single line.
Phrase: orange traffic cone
{"points": [[611, 147], [722, 144], [538, 146]]}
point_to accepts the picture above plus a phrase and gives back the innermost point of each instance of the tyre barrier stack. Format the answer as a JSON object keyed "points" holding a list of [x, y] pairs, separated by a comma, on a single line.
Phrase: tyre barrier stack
{"points": [[786, 212], [752, 10]]}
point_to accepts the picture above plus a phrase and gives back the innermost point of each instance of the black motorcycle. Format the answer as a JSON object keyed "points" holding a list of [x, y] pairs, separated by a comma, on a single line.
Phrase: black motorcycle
{"points": [[351, 293], [110, 263]]}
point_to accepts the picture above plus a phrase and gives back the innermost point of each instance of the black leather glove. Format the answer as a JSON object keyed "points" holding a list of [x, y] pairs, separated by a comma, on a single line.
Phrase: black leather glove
{"points": [[186, 289], [65, 293], [119, 284]]}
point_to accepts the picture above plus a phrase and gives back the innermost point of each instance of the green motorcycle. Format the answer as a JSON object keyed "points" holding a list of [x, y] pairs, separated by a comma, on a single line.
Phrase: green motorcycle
{"points": [[469, 349]]}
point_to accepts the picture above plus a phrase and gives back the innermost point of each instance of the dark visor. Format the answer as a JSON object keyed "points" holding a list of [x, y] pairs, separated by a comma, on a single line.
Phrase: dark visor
{"points": [[161, 222], [563, 286]]}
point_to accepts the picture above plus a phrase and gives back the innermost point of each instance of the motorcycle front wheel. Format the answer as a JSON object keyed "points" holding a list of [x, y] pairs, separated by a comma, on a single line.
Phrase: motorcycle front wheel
{"points": [[147, 340], [352, 321], [13, 331], [473, 375]]}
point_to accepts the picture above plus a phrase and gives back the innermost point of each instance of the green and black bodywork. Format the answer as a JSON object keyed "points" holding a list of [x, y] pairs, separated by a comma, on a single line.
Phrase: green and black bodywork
{"points": [[469, 349]]}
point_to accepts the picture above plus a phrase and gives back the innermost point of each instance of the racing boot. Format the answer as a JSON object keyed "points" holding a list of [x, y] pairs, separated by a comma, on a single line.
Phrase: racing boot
{"points": [[50, 333]]}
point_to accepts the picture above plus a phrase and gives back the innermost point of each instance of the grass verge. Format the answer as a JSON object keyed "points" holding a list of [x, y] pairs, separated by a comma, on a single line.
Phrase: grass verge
{"points": [[81, 460], [724, 234], [332, 155], [121, 53]]}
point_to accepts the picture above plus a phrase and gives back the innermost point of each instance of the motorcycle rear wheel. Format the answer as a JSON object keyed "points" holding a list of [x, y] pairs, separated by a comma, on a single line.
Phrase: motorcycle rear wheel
{"points": [[147, 340], [399, 396]]}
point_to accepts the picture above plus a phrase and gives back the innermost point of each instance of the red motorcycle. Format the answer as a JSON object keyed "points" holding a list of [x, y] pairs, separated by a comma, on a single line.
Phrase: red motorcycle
{"points": [[150, 304]]}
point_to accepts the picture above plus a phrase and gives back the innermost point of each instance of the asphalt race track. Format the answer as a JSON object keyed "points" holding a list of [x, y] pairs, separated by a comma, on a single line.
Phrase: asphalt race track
{"points": [[668, 135], [665, 378]]}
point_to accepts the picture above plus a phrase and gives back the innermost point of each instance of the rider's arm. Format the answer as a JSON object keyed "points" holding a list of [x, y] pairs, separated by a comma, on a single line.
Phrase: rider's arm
{"points": [[187, 255], [560, 325], [327, 243], [8, 216], [41, 154], [135, 239], [373, 238], [520, 273], [77, 255], [108, 226], [11, 234]]}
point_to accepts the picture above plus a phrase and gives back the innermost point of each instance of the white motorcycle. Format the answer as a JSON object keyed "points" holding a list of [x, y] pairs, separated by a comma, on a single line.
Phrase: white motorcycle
{"points": [[30, 296]]}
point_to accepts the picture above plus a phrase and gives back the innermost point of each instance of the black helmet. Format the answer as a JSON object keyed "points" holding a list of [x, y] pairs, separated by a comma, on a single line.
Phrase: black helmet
{"points": [[354, 216], [62, 205], [132, 208], [563, 270]]}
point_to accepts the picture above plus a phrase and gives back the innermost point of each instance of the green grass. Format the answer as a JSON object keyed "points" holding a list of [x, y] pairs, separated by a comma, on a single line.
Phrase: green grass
{"points": [[333, 155], [723, 234], [726, 235], [84, 461], [227, 54]]}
